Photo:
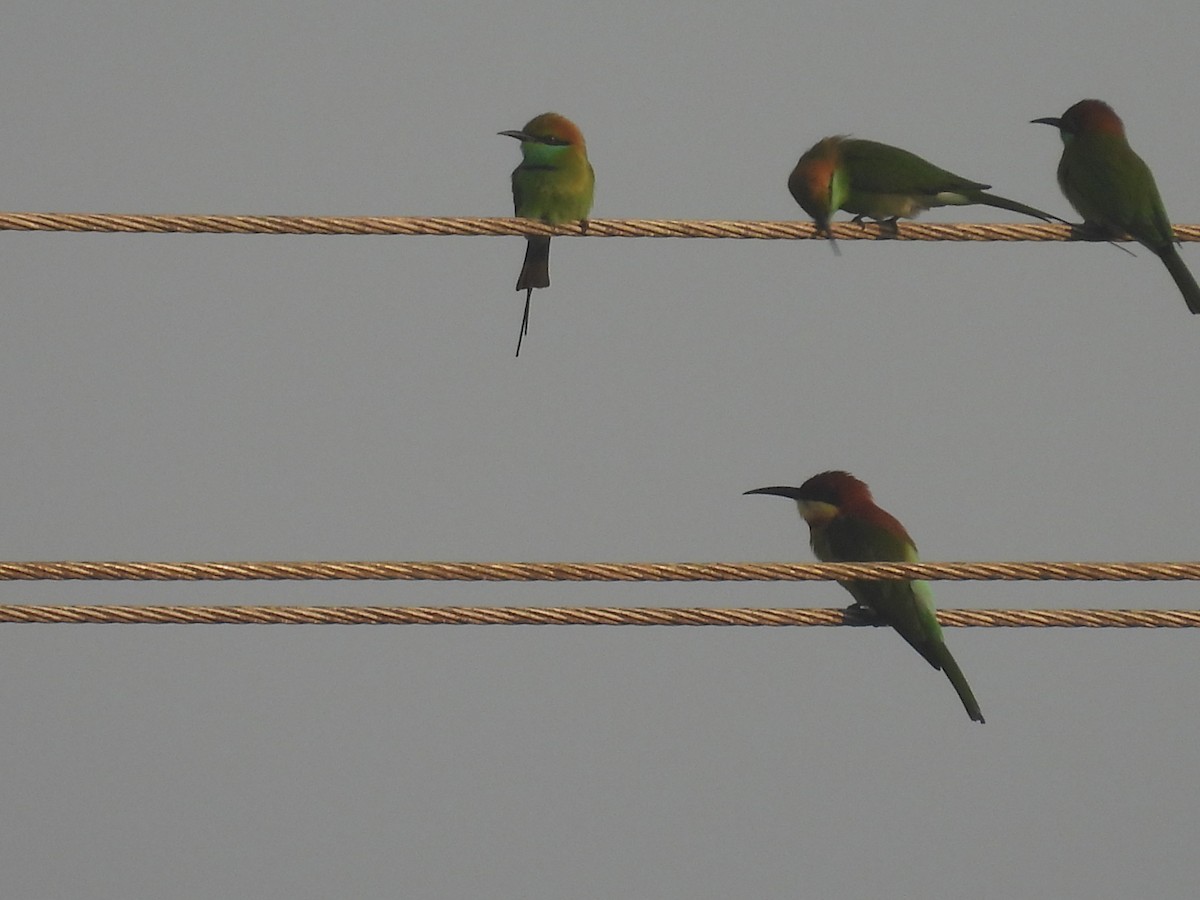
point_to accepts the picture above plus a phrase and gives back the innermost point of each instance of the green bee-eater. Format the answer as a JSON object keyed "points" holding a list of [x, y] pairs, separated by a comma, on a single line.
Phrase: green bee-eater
{"points": [[1112, 188], [881, 182], [554, 184], [845, 525]]}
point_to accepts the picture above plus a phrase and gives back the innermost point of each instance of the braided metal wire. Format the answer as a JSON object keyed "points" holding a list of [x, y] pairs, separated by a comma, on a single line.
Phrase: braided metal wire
{"points": [[604, 572], [598, 571], [482, 226], [486, 615]]}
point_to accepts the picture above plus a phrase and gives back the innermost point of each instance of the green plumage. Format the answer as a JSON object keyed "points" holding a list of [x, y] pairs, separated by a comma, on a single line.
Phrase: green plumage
{"points": [[1113, 188], [882, 182], [886, 182], [905, 605], [554, 184], [845, 525]]}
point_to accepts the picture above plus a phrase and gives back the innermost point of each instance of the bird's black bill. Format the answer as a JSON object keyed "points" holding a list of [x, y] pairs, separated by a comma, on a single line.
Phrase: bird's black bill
{"points": [[519, 135], [792, 493], [822, 228], [1049, 120]]}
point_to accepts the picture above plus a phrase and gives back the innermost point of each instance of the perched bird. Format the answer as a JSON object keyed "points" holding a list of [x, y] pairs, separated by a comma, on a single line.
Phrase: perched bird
{"points": [[1112, 188], [845, 525], [882, 182], [554, 184]]}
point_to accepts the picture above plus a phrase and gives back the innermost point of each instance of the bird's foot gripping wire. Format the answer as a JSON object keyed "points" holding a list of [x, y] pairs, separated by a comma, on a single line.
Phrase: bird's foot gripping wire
{"points": [[1094, 231], [888, 228], [860, 615]]}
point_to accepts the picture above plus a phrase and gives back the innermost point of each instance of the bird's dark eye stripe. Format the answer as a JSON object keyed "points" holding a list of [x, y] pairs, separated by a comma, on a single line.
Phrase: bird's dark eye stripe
{"points": [[553, 141]]}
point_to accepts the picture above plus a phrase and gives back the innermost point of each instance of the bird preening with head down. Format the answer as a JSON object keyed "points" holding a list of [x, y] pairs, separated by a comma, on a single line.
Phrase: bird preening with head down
{"points": [[881, 182], [1112, 188], [554, 184], [845, 525]]}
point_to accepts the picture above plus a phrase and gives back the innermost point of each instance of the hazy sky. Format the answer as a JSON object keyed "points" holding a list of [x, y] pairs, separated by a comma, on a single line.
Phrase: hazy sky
{"points": [[226, 397]]}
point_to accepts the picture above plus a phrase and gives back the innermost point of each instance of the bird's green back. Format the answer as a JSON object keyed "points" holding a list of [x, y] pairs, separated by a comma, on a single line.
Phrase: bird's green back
{"points": [[881, 168]]}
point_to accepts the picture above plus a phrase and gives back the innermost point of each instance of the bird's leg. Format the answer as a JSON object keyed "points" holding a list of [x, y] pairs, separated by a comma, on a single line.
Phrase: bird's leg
{"points": [[861, 221], [1098, 231], [583, 226], [890, 227], [887, 227], [861, 614], [1094, 231]]}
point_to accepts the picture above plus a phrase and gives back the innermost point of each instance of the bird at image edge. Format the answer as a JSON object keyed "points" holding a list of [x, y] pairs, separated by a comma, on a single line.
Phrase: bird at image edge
{"points": [[845, 525], [882, 182], [1113, 189], [554, 184]]}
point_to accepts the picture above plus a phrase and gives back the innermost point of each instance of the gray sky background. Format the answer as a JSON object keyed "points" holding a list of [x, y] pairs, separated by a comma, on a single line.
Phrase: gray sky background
{"points": [[224, 397]]}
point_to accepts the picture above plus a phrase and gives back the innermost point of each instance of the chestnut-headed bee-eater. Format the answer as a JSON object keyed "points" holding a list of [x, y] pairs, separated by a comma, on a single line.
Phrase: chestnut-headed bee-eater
{"points": [[845, 525], [554, 184], [1112, 188], [882, 182]]}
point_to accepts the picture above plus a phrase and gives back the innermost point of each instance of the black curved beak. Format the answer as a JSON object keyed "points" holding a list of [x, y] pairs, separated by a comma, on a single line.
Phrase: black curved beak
{"points": [[1049, 120], [519, 135], [792, 493]]}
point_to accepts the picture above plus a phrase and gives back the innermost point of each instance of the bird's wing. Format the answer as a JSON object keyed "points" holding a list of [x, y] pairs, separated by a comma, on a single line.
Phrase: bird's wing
{"points": [[518, 190], [1108, 183], [853, 539], [905, 605], [883, 169]]}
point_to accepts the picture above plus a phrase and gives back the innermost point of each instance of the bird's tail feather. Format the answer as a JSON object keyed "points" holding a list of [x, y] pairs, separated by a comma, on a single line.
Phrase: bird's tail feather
{"points": [[954, 673], [524, 321], [1183, 277], [535, 273], [1013, 206]]}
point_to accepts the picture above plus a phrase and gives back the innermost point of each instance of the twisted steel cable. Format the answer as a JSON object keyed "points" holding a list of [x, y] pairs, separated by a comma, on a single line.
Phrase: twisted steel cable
{"points": [[604, 572], [485, 226]]}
